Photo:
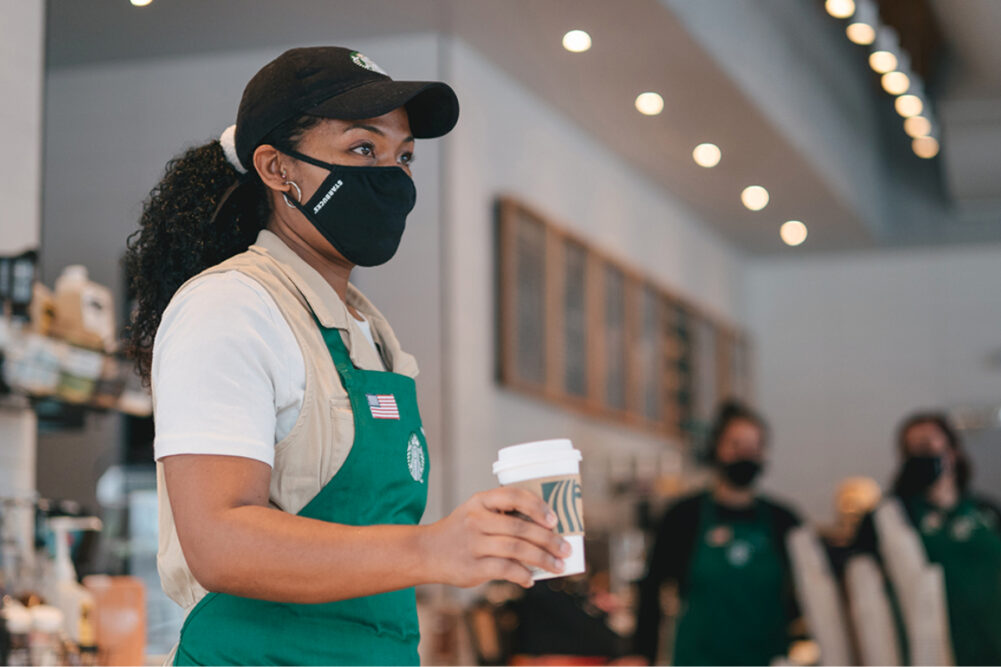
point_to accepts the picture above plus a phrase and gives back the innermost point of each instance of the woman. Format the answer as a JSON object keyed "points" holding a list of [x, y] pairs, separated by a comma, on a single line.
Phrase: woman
{"points": [[725, 548], [292, 465], [959, 530]]}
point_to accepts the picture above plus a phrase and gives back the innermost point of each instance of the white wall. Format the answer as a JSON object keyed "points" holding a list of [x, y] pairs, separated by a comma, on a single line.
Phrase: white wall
{"points": [[508, 141], [110, 129], [846, 345]]}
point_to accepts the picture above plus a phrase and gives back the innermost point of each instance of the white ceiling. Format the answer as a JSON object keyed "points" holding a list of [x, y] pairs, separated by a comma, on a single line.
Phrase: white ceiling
{"points": [[638, 45], [970, 107]]}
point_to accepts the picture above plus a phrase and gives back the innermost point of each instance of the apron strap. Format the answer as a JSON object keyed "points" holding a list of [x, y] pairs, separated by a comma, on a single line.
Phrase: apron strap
{"points": [[338, 351]]}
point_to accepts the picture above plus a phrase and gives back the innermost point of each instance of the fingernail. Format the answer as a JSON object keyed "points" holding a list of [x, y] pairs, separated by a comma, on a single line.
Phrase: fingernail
{"points": [[558, 564], [565, 548], [550, 518]]}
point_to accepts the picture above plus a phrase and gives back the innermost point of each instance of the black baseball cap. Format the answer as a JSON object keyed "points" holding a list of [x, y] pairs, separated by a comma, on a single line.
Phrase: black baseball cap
{"points": [[335, 82]]}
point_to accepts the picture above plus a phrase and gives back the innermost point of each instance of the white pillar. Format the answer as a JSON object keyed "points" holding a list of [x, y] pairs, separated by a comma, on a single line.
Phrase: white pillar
{"points": [[22, 75]]}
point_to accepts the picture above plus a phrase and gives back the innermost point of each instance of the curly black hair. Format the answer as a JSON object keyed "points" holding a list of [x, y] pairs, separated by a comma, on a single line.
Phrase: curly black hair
{"points": [[200, 213]]}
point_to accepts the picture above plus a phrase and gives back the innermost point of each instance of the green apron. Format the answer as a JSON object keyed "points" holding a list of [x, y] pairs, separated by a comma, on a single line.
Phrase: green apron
{"points": [[383, 481], [965, 541], [733, 611]]}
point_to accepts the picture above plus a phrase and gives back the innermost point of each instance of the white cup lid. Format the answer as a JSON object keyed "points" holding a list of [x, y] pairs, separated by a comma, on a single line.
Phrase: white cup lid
{"points": [[533, 453]]}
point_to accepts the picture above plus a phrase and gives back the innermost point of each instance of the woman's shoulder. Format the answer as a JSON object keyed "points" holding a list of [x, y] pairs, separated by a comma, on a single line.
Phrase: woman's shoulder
{"points": [[783, 511], [226, 298], [222, 314], [987, 506], [685, 506]]}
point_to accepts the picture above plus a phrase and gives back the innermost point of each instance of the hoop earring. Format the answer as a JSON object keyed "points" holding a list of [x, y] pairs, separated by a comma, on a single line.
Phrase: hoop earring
{"points": [[298, 194]]}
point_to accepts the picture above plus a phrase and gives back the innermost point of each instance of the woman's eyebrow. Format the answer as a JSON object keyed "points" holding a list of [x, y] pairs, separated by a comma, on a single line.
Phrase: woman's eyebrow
{"points": [[373, 129]]}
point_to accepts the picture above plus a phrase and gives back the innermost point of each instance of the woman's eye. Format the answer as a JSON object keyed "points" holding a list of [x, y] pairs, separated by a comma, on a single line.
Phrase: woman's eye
{"points": [[364, 149], [407, 159]]}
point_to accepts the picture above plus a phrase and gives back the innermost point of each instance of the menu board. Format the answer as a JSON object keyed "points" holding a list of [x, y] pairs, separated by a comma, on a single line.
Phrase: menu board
{"points": [[592, 333]]}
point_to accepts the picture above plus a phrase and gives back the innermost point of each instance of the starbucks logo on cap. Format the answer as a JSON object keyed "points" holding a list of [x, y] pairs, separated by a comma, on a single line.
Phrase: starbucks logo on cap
{"points": [[362, 60]]}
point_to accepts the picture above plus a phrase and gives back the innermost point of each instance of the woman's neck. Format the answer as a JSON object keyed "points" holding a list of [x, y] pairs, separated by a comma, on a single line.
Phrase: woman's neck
{"points": [[728, 495], [335, 273], [944, 493]]}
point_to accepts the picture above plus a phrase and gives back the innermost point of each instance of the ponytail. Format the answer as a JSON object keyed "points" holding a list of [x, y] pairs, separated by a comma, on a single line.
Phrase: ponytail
{"points": [[201, 213]]}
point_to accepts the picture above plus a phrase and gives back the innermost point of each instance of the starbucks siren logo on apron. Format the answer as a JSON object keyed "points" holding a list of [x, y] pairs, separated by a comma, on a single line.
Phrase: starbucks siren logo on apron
{"points": [[739, 553], [415, 458]]}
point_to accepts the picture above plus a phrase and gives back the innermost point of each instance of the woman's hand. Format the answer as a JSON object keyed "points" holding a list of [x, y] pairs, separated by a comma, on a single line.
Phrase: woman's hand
{"points": [[483, 540]]}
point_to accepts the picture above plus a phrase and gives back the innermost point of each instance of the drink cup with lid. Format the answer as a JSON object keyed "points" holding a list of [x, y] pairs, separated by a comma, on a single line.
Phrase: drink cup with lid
{"points": [[551, 470]]}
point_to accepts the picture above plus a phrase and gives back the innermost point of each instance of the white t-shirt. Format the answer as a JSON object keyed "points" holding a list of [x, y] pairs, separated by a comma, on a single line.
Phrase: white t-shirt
{"points": [[228, 374]]}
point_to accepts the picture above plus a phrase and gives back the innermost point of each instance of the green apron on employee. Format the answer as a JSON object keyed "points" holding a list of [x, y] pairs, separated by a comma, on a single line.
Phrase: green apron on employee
{"points": [[966, 543], [733, 611], [383, 481]]}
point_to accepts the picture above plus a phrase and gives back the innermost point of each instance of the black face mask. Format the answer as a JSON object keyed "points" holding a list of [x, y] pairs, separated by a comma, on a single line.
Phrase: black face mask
{"points": [[362, 211], [741, 473], [920, 472]]}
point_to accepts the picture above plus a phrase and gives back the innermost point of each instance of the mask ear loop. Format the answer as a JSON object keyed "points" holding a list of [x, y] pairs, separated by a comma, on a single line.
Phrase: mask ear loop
{"points": [[298, 194]]}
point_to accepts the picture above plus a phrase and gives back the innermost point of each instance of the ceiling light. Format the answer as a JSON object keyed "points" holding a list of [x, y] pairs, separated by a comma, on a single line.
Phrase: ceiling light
{"points": [[909, 105], [885, 48], [925, 147], [861, 33], [882, 62], [141, 3], [707, 155], [840, 9], [862, 28], [754, 197], [649, 104], [793, 232], [917, 126], [577, 41], [896, 82]]}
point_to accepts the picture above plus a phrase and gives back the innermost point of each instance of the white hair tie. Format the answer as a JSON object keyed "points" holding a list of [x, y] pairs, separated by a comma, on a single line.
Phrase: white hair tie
{"points": [[228, 142]]}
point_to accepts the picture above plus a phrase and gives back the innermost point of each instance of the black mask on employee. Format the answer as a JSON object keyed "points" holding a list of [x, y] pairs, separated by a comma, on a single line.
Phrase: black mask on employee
{"points": [[362, 211], [920, 472], [741, 473]]}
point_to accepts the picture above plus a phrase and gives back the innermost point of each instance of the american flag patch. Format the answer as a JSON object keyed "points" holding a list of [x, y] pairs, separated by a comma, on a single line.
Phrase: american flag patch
{"points": [[383, 406]]}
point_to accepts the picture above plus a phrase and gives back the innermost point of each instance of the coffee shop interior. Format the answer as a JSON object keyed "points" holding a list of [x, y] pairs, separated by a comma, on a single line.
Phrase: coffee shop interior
{"points": [[647, 210]]}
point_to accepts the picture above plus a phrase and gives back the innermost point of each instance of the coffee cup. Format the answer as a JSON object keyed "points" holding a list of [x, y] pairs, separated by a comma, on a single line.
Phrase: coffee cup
{"points": [[551, 470]]}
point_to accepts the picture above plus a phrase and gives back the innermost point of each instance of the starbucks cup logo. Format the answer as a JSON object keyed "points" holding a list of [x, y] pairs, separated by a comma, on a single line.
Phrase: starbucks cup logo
{"points": [[563, 497], [551, 470]]}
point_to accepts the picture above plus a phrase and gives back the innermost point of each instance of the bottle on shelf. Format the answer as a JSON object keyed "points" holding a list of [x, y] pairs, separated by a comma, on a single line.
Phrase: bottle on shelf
{"points": [[45, 640], [84, 311], [65, 592], [17, 621]]}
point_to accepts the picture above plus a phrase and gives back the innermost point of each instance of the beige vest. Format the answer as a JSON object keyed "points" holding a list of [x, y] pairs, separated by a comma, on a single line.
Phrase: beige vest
{"points": [[321, 438]]}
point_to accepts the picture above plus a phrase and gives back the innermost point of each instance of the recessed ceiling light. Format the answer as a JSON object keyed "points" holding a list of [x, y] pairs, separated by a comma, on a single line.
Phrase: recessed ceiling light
{"points": [[925, 147], [577, 41], [861, 33], [793, 232], [707, 155], [885, 50], [754, 197], [840, 9], [917, 126], [862, 28], [909, 105], [882, 62], [649, 104], [140, 3], [896, 83]]}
